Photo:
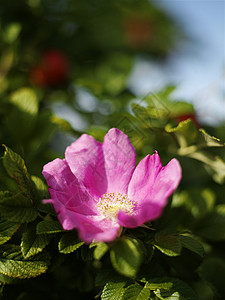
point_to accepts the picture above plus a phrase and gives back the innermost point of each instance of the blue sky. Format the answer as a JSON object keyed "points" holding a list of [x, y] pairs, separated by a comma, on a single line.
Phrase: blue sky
{"points": [[198, 68]]}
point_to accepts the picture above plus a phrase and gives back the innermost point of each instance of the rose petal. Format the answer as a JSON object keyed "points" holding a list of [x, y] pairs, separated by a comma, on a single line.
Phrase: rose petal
{"points": [[90, 228], [91, 169], [120, 160], [152, 182], [65, 188], [78, 201], [86, 161], [148, 211], [74, 206], [167, 181], [58, 174], [150, 187], [102, 231], [144, 177]]}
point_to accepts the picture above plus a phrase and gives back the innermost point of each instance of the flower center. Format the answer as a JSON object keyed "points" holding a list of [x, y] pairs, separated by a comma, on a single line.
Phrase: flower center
{"points": [[111, 203]]}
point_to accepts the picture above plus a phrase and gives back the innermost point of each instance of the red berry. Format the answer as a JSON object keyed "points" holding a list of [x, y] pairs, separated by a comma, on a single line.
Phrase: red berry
{"points": [[52, 70], [191, 116], [138, 30]]}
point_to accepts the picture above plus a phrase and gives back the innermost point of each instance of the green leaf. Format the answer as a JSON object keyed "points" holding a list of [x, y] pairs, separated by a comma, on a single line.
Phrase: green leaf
{"points": [[22, 117], [49, 226], [8, 280], [12, 264], [40, 187], [136, 292], [192, 244], [212, 271], [16, 169], [208, 140], [17, 208], [100, 250], [110, 75], [211, 227], [192, 143], [146, 117], [168, 244], [186, 133], [32, 244], [160, 109], [126, 256], [179, 108], [46, 208], [86, 253], [113, 291], [161, 101], [69, 243], [214, 165], [63, 124], [7, 229], [11, 32], [170, 287], [41, 191], [107, 274], [23, 296], [198, 201], [168, 295], [157, 283], [1, 288]]}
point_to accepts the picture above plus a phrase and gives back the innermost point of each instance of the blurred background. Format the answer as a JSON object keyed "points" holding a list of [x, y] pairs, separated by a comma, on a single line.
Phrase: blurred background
{"points": [[197, 65], [78, 66], [69, 67]]}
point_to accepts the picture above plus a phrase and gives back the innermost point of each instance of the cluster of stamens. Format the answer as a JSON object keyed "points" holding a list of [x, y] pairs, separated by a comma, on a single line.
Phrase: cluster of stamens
{"points": [[111, 203]]}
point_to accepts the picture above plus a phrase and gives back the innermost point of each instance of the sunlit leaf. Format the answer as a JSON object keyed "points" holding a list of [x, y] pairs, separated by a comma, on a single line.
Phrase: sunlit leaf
{"points": [[11, 33], [69, 243], [100, 250], [186, 134], [208, 140], [7, 229], [16, 169], [49, 226], [136, 292], [13, 264], [23, 114], [127, 256], [113, 291], [32, 244], [170, 287], [17, 208], [192, 244], [168, 244], [40, 187]]}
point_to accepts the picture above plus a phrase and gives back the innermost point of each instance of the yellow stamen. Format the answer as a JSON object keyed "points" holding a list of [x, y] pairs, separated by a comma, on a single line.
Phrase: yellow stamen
{"points": [[111, 203]]}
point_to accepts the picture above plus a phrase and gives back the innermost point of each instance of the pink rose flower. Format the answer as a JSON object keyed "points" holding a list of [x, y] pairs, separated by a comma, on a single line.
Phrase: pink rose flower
{"points": [[97, 188]]}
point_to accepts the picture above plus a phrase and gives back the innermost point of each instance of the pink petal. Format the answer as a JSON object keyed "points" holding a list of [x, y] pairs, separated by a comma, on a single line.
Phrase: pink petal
{"points": [[58, 174], [74, 206], [101, 231], [90, 228], [65, 188], [86, 161], [146, 212], [150, 187], [78, 201], [167, 181], [120, 160], [144, 177]]}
